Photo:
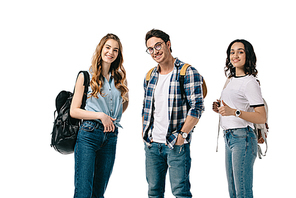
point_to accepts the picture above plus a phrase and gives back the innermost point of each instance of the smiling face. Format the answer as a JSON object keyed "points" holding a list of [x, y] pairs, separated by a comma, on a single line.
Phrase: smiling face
{"points": [[238, 55], [110, 51], [159, 55]]}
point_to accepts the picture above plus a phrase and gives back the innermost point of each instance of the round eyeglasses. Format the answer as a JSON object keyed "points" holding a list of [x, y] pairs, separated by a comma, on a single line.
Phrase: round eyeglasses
{"points": [[157, 46]]}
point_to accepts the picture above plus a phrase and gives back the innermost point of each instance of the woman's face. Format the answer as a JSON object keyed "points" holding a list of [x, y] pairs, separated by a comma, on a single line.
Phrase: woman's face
{"points": [[110, 51], [238, 55]]}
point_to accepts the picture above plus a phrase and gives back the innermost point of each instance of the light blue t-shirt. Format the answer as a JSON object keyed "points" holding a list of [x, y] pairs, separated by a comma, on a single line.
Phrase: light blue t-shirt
{"points": [[110, 102]]}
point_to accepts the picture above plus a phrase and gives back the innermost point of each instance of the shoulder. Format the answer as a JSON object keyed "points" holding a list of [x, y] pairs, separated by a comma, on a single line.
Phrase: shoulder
{"points": [[186, 68], [190, 72], [150, 73], [251, 81], [80, 79]]}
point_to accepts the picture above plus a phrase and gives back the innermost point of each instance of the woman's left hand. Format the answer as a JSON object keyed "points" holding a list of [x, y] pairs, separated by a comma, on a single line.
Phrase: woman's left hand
{"points": [[225, 110]]}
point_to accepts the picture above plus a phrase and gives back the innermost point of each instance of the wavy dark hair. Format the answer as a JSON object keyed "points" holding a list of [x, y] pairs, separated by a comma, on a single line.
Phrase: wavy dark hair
{"points": [[250, 65]]}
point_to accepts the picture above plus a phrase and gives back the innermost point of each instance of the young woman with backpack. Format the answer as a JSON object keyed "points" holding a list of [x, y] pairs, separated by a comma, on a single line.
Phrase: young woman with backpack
{"points": [[241, 105], [97, 137]]}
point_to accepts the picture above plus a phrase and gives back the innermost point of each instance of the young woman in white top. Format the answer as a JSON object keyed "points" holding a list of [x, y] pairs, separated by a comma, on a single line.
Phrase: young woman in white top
{"points": [[240, 106]]}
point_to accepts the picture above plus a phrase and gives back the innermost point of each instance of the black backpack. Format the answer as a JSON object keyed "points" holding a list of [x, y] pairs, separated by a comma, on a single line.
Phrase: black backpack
{"points": [[65, 128]]}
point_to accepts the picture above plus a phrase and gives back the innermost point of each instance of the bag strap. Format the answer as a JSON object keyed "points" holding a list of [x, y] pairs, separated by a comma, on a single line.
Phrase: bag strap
{"points": [[149, 74], [86, 85], [225, 85], [181, 81]]}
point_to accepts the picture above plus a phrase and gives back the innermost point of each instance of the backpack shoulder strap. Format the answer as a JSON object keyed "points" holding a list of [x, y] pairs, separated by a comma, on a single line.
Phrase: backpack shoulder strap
{"points": [[148, 75], [183, 69], [226, 83], [181, 81], [182, 76], [86, 85], [86, 79]]}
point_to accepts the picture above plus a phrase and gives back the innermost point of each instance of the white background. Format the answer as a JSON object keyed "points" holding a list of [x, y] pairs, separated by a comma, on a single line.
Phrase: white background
{"points": [[43, 45]]}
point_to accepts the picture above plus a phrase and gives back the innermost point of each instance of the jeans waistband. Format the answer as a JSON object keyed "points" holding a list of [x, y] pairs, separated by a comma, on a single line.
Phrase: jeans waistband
{"points": [[95, 123], [230, 130]]}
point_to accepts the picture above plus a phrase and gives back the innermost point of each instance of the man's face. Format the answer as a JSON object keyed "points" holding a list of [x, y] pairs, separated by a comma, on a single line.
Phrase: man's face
{"points": [[158, 49]]}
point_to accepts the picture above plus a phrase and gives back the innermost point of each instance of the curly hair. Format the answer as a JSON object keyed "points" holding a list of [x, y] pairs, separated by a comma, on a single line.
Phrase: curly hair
{"points": [[117, 70], [250, 65]]}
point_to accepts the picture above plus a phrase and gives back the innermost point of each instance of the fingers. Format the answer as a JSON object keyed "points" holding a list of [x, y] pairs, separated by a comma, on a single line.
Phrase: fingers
{"points": [[113, 119], [216, 105], [109, 125], [180, 140], [109, 128]]}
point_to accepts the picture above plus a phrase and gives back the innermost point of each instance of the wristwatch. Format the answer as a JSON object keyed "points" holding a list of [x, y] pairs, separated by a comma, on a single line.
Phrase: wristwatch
{"points": [[237, 113], [184, 135]]}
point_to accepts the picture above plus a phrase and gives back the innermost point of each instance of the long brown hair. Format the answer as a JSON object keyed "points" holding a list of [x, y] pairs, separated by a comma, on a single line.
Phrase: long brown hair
{"points": [[117, 70]]}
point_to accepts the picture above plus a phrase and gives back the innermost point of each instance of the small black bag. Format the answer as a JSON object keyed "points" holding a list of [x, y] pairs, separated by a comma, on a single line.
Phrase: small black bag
{"points": [[65, 128]]}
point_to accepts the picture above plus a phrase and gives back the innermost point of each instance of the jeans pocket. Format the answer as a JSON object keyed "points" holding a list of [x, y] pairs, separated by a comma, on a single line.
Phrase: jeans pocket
{"points": [[179, 149], [88, 126], [239, 133]]}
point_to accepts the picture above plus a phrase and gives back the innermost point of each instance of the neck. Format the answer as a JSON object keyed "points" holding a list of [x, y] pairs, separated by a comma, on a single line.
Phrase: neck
{"points": [[105, 69], [239, 72], [167, 66]]}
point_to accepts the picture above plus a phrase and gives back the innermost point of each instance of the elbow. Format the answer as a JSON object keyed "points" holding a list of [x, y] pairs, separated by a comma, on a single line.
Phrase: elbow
{"points": [[72, 112], [262, 120]]}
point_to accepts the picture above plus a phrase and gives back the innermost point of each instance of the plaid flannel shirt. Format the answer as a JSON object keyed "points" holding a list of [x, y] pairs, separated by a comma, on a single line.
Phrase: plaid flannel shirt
{"points": [[177, 108]]}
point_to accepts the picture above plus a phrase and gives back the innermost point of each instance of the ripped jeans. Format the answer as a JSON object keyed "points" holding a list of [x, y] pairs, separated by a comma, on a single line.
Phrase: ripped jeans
{"points": [[159, 159], [240, 154]]}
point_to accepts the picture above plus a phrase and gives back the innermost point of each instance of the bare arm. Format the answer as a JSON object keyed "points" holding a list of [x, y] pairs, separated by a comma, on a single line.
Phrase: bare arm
{"points": [[77, 112], [190, 122], [257, 117]]}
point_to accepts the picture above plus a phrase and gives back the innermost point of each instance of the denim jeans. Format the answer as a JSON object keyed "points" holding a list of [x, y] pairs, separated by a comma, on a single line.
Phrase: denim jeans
{"points": [[94, 159], [159, 159], [241, 151]]}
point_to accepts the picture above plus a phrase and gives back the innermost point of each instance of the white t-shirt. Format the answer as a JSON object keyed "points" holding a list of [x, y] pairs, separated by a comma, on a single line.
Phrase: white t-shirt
{"points": [[161, 117], [241, 93]]}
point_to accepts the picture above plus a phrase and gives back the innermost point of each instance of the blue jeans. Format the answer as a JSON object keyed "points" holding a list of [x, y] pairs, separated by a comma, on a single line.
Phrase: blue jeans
{"points": [[94, 159], [159, 158], [241, 151]]}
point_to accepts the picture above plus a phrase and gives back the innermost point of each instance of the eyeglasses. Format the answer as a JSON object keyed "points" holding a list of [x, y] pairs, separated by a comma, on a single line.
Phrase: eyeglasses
{"points": [[157, 46]]}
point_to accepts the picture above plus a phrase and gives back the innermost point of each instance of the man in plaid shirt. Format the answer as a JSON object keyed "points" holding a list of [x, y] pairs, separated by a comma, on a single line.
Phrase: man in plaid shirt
{"points": [[167, 121]]}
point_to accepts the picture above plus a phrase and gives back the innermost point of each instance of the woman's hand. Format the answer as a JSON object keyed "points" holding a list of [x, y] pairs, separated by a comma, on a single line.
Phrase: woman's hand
{"points": [[226, 110], [107, 122], [216, 105]]}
